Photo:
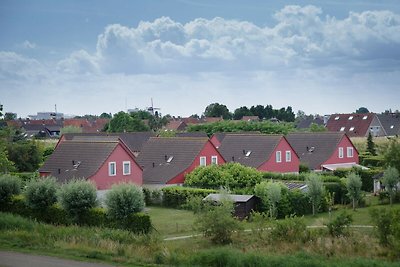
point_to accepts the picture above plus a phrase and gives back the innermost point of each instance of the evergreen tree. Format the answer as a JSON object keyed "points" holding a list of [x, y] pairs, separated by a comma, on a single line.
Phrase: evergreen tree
{"points": [[371, 145]]}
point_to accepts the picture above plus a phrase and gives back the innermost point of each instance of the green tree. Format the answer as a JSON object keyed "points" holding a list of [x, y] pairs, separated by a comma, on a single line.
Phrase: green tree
{"points": [[240, 112], [217, 110], [26, 155], [353, 185], [9, 186], [42, 193], [270, 194], [390, 181], [70, 129], [317, 128], [315, 190], [6, 165], [123, 122], [362, 110], [105, 115], [9, 116], [259, 111], [371, 145], [392, 155]]}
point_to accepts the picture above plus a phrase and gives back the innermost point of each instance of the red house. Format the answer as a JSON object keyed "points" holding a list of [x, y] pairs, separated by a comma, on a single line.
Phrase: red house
{"points": [[270, 153], [105, 160], [324, 151], [168, 160], [356, 125]]}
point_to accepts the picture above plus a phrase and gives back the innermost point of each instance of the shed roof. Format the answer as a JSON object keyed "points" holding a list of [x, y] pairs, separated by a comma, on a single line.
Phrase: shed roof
{"points": [[234, 198], [165, 158], [249, 149]]}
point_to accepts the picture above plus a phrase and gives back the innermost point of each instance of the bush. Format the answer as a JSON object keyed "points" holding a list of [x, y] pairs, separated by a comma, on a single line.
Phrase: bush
{"points": [[9, 186], [176, 196], [41, 194], [139, 223], [123, 200], [290, 229], [339, 190], [339, 226], [77, 197], [152, 197], [387, 225], [303, 168]]}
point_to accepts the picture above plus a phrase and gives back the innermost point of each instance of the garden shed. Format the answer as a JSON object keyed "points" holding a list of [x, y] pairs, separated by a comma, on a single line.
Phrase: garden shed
{"points": [[244, 204]]}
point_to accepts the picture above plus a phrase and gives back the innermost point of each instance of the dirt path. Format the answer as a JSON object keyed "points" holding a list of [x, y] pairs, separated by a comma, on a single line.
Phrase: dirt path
{"points": [[16, 259]]}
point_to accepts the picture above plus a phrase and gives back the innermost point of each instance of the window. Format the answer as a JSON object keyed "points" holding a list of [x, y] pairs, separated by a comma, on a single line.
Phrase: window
{"points": [[337, 118], [203, 161], [351, 129], [214, 160], [341, 152], [391, 126], [288, 156], [170, 159], [349, 152], [248, 153], [112, 169], [278, 156], [350, 118], [126, 167], [365, 117], [342, 129]]}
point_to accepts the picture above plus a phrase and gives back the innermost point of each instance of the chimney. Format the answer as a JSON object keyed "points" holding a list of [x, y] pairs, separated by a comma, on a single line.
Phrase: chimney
{"points": [[73, 162], [59, 171], [233, 158], [166, 157]]}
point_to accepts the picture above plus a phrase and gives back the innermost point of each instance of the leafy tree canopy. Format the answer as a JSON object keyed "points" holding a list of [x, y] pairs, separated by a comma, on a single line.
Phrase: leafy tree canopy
{"points": [[123, 122], [217, 110], [362, 110]]}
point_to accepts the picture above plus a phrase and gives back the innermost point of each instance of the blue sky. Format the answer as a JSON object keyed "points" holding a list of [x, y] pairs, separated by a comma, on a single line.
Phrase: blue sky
{"points": [[90, 57]]}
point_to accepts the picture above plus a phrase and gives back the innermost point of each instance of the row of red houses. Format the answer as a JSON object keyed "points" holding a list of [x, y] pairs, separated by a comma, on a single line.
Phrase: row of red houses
{"points": [[152, 161]]}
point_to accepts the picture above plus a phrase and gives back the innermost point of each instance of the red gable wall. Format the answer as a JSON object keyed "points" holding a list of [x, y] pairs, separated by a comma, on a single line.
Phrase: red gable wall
{"points": [[104, 181], [272, 166], [207, 151], [345, 142], [214, 140]]}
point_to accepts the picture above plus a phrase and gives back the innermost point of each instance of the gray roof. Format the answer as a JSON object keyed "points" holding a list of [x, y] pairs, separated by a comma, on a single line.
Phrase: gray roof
{"points": [[234, 198], [78, 159], [248, 149], [134, 140], [155, 153], [292, 185], [314, 149], [307, 121], [390, 123], [221, 136]]}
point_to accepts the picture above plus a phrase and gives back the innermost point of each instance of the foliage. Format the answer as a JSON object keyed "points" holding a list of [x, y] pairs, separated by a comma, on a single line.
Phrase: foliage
{"points": [[270, 193], [42, 193], [290, 229], [371, 145], [25, 155], [215, 221], [152, 197], [230, 175], [371, 161], [217, 110], [77, 197], [387, 226], [267, 112], [315, 128], [176, 196], [353, 186], [392, 155], [9, 186], [123, 122], [123, 200], [6, 165], [240, 112], [47, 152], [304, 168], [315, 190], [105, 115], [265, 127], [70, 129], [339, 226], [339, 190], [390, 181], [362, 110]]}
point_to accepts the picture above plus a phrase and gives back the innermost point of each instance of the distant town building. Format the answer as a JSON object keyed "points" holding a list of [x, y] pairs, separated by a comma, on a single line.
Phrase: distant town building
{"points": [[47, 116]]}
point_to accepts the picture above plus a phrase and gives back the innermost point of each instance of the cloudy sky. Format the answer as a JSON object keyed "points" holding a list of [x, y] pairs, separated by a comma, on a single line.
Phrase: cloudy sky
{"points": [[89, 57]]}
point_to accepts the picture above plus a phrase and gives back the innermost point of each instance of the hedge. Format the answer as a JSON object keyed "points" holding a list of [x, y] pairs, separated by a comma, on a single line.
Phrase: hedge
{"points": [[137, 222], [176, 196], [366, 176]]}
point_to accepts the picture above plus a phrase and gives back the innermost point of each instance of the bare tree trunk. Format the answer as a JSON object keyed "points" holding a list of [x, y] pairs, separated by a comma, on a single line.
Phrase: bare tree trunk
{"points": [[313, 209], [354, 204]]}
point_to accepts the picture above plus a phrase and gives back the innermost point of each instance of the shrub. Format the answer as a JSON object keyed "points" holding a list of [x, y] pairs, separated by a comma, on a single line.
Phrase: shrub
{"points": [[290, 229], [9, 186], [139, 223], [387, 226], [303, 168], [41, 194], [315, 190], [340, 191], [339, 226], [123, 200], [77, 197], [176, 196], [353, 186], [270, 193], [152, 197]]}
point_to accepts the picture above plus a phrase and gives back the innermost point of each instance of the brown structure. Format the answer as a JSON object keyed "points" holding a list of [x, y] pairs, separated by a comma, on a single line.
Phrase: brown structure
{"points": [[244, 204]]}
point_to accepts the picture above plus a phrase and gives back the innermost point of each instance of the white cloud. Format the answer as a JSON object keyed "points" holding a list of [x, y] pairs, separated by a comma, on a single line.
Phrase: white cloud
{"points": [[28, 45], [14, 66]]}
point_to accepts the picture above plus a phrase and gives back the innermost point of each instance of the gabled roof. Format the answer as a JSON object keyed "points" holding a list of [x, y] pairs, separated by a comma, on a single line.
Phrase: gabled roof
{"points": [[221, 136], [78, 159], [164, 158], [249, 149], [134, 140], [314, 149], [176, 125], [390, 123], [352, 124]]}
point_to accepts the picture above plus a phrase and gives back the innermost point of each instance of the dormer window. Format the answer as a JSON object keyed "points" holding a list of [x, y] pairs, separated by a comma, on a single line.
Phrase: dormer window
{"points": [[365, 117], [342, 129], [248, 153], [350, 118], [351, 129], [337, 118], [391, 126]]}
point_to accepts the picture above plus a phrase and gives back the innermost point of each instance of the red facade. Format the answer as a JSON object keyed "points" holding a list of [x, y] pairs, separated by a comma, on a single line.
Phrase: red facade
{"points": [[208, 151], [120, 155], [285, 165], [345, 143]]}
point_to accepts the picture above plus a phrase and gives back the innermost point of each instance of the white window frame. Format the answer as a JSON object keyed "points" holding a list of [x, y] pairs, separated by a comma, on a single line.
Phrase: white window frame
{"points": [[278, 156], [350, 152], [288, 156], [214, 160], [203, 159], [123, 167], [341, 152], [114, 164]]}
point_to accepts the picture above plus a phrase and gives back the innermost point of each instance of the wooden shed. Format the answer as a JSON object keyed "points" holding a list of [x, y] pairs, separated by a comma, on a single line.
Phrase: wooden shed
{"points": [[244, 204]]}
